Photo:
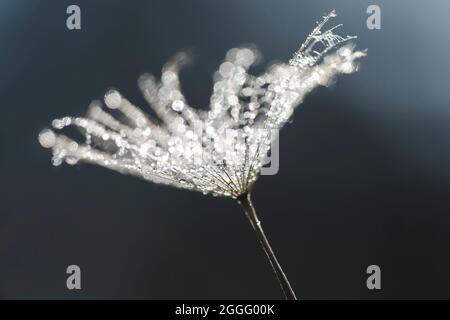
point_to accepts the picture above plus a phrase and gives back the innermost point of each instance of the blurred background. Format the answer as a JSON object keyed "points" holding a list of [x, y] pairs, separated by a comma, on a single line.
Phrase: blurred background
{"points": [[364, 175]]}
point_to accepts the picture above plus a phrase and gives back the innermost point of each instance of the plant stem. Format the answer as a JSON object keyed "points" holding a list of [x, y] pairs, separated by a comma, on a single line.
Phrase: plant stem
{"points": [[247, 204]]}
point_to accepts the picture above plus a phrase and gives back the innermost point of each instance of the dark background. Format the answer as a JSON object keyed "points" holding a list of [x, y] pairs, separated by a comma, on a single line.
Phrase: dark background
{"points": [[364, 175]]}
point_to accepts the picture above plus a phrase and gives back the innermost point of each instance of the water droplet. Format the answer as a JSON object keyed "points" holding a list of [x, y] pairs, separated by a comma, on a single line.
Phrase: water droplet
{"points": [[113, 99], [71, 161], [47, 138], [56, 161], [178, 105], [226, 69]]}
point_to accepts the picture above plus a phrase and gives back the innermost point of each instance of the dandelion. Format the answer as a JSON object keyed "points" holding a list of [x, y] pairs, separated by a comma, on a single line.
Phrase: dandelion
{"points": [[219, 151]]}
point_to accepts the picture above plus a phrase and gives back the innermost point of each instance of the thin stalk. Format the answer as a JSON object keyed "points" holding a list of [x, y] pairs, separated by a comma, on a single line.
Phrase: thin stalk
{"points": [[247, 204]]}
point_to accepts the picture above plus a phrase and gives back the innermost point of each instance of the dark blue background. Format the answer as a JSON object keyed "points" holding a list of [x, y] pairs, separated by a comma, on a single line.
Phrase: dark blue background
{"points": [[364, 175]]}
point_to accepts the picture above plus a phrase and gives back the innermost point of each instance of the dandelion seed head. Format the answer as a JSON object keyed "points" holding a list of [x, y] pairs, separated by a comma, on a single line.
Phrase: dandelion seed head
{"points": [[219, 151]]}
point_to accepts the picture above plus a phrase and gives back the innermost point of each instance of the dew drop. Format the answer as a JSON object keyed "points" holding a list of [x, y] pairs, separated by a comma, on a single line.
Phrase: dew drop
{"points": [[47, 138], [113, 99], [56, 161], [71, 161], [178, 105]]}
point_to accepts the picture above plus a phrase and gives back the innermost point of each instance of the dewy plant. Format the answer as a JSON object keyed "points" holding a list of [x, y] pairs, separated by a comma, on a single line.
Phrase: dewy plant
{"points": [[219, 151]]}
